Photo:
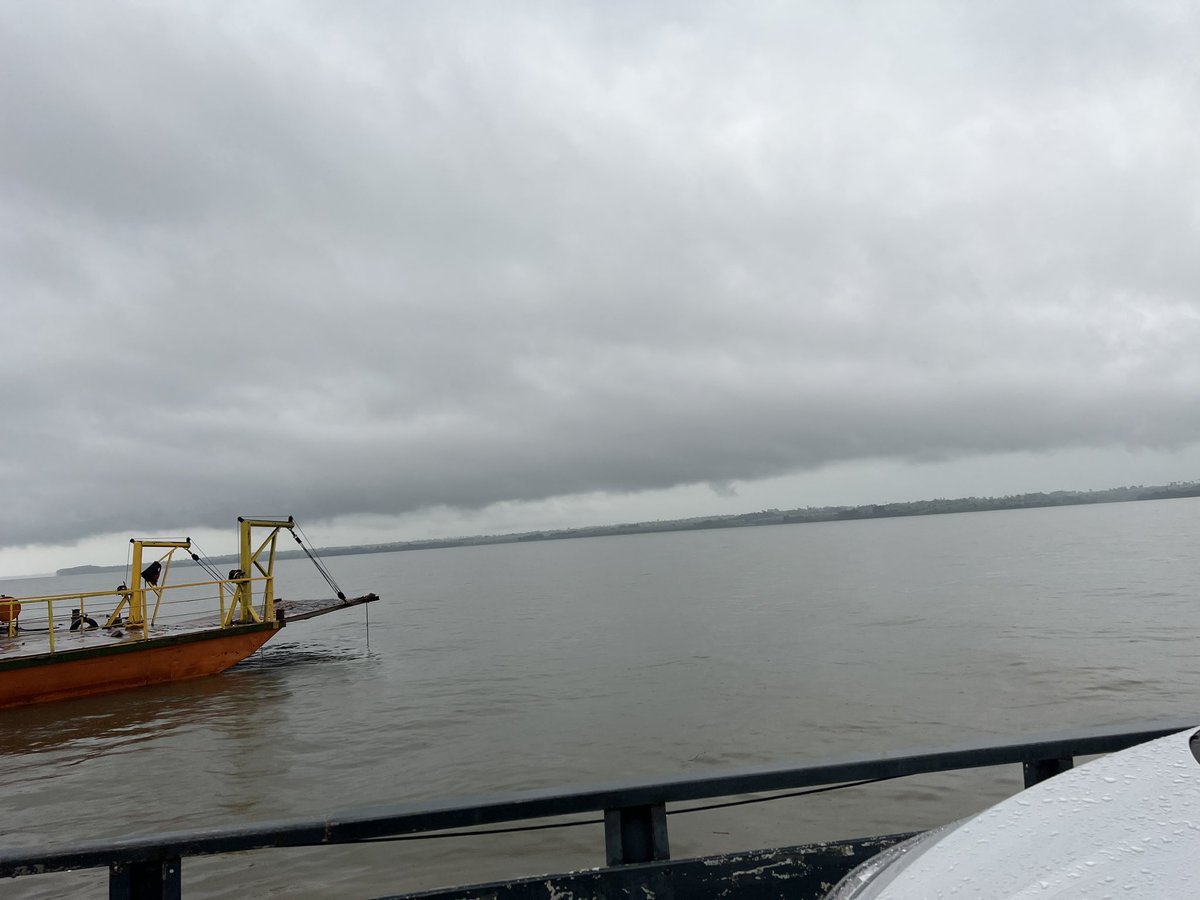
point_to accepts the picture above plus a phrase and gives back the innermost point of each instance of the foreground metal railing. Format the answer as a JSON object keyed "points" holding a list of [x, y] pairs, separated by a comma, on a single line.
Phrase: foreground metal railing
{"points": [[635, 821]]}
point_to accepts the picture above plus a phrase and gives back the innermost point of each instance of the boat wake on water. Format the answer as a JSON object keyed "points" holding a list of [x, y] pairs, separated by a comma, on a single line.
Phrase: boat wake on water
{"points": [[287, 656]]}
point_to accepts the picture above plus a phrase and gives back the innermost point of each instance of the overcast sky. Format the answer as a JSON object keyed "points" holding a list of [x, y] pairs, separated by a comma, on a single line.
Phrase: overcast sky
{"points": [[414, 269]]}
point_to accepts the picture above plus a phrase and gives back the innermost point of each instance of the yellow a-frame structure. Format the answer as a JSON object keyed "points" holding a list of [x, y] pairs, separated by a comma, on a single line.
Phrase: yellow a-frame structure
{"points": [[250, 560], [135, 597]]}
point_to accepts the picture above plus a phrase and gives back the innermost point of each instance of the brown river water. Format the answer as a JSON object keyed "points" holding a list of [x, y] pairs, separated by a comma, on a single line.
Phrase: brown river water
{"points": [[564, 663]]}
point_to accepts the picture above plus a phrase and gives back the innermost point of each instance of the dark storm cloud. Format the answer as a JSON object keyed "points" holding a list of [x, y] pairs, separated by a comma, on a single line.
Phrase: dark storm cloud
{"points": [[376, 258]]}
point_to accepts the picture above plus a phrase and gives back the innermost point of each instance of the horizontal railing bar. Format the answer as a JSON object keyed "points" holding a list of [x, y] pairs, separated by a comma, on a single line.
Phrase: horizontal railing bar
{"points": [[84, 595], [412, 818]]}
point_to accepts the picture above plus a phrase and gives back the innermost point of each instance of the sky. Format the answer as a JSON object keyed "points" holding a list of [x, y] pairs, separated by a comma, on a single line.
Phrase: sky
{"points": [[433, 268]]}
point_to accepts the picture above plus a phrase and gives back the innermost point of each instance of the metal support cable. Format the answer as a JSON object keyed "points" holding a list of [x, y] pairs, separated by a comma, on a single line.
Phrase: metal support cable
{"points": [[201, 559], [804, 793], [671, 812], [316, 560]]}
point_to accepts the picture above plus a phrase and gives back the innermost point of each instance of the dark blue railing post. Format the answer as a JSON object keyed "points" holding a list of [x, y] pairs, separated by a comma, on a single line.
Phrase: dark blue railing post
{"points": [[149, 880], [1040, 769], [636, 834]]}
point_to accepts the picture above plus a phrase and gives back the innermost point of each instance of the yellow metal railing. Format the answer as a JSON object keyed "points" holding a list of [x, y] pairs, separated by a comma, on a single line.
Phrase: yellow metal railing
{"points": [[190, 602], [10, 611]]}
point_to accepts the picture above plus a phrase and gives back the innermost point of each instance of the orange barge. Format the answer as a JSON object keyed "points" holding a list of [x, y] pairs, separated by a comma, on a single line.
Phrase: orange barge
{"points": [[195, 629]]}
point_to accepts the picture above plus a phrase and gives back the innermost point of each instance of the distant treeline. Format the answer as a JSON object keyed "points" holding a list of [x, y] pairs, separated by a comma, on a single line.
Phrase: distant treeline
{"points": [[1173, 490]]}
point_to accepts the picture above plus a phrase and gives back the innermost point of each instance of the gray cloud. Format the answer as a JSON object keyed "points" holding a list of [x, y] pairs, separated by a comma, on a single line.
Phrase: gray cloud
{"points": [[377, 258]]}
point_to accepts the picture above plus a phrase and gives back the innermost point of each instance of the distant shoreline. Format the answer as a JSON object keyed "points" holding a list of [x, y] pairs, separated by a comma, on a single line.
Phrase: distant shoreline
{"points": [[1174, 490]]}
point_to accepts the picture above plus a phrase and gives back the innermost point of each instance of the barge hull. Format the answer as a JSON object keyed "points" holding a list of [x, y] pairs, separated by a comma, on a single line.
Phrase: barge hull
{"points": [[129, 664]]}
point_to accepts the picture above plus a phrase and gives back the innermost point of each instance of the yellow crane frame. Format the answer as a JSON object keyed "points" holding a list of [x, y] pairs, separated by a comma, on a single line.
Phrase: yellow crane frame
{"points": [[135, 598], [250, 560]]}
